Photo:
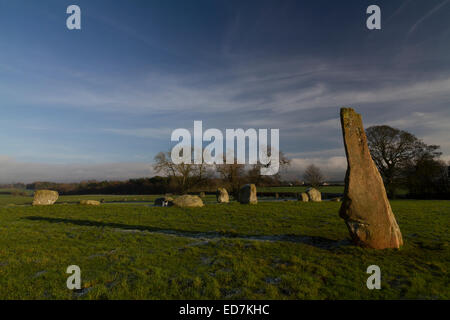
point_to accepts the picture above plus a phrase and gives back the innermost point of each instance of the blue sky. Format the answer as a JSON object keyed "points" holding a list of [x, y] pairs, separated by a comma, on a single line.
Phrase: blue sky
{"points": [[102, 101]]}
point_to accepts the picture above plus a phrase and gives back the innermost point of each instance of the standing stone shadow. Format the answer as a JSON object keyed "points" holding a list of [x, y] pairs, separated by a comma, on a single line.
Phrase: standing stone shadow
{"points": [[319, 242]]}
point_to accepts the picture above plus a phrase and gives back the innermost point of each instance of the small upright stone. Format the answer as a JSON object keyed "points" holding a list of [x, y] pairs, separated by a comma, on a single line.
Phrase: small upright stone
{"points": [[303, 197], [45, 197], [365, 206], [314, 195], [222, 195], [247, 194]]}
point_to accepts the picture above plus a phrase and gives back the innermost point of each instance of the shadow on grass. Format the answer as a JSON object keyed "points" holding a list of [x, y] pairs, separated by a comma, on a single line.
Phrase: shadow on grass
{"points": [[320, 242]]}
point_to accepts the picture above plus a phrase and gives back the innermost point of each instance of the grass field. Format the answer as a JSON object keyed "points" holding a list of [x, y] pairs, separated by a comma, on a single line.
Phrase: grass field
{"points": [[273, 250], [6, 199], [325, 189], [329, 189]]}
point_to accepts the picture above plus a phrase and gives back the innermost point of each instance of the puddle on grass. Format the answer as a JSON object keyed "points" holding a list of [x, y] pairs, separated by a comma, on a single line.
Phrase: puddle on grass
{"points": [[82, 292], [40, 273]]}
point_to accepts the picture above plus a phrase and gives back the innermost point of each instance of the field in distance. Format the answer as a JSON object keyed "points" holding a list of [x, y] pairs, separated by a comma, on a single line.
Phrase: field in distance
{"points": [[272, 250], [326, 189], [24, 197]]}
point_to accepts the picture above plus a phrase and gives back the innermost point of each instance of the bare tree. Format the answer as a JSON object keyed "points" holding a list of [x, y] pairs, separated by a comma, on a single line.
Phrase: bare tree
{"points": [[254, 174], [233, 176], [313, 176], [186, 175]]}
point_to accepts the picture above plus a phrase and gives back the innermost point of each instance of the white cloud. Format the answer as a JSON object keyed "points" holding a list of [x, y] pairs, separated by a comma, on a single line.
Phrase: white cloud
{"points": [[435, 128], [333, 167], [280, 85], [318, 154], [160, 133]]}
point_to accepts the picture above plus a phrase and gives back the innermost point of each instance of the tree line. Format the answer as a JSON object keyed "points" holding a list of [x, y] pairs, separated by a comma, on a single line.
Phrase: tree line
{"points": [[405, 163]]}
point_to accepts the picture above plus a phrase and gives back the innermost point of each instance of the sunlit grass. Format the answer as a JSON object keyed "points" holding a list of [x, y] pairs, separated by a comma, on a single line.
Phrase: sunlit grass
{"points": [[283, 250]]}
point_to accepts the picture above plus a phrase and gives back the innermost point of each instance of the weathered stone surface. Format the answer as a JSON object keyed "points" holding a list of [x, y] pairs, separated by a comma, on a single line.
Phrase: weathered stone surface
{"points": [[165, 201], [222, 195], [90, 202], [188, 201], [365, 206], [45, 197], [247, 194], [303, 197], [314, 195]]}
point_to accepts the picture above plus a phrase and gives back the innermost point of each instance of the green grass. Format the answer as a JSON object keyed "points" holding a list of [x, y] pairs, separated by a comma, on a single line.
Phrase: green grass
{"points": [[326, 189], [11, 201], [6, 200], [283, 250]]}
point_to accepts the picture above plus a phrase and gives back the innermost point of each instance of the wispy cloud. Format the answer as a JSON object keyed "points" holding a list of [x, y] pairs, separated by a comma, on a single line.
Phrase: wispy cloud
{"points": [[122, 85], [156, 133], [332, 167], [428, 15], [251, 91]]}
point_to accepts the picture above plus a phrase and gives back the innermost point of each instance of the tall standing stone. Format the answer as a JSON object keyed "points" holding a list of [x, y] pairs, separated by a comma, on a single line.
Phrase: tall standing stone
{"points": [[365, 206], [247, 194]]}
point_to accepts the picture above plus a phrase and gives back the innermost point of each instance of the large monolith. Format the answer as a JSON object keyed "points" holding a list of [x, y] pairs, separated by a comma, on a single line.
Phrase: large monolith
{"points": [[365, 206]]}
